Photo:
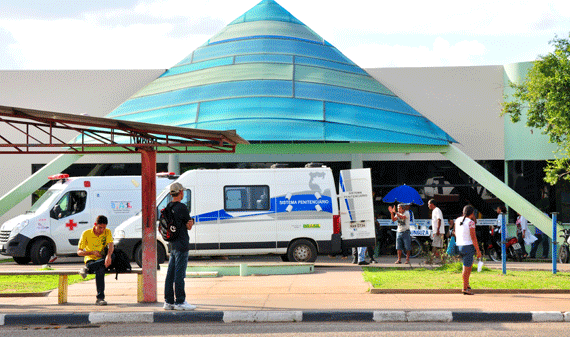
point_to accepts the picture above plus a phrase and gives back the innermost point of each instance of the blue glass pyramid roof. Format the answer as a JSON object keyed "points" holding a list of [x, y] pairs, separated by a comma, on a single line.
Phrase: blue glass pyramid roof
{"points": [[271, 78]]}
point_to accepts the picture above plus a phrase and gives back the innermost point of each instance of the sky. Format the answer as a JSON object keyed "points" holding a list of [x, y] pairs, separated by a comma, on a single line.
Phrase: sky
{"points": [[156, 34]]}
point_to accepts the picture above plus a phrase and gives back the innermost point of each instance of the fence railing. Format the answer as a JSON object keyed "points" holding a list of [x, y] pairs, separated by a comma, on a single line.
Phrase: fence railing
{"points": [[422, 227]]}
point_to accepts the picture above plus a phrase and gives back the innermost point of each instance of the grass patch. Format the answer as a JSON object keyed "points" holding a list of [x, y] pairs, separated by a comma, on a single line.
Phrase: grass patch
{"points": [[7, 260], [449, 277], [34, 283]]}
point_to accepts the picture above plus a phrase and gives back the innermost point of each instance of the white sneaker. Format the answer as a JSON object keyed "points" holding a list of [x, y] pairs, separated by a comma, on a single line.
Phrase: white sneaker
{"points": [[83, 272], [184, 306], [168, 306]]}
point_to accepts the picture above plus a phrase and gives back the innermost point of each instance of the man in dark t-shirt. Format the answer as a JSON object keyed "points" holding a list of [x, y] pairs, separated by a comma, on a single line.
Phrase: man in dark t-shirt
{"points": [[174, 293]]}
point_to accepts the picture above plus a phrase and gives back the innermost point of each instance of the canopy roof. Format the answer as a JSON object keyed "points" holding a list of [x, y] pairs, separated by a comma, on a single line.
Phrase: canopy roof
{"points": [[271, 78]]}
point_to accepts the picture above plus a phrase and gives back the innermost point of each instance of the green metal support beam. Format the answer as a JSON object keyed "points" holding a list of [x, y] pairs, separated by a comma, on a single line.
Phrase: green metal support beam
{"points": [[500, 189], [332, 148], [35, 181]]}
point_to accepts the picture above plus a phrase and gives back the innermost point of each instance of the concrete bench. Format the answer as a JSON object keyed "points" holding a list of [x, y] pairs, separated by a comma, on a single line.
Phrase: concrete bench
{"points": [[63, 280]]}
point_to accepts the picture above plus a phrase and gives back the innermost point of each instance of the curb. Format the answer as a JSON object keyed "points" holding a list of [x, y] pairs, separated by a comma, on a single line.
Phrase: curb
{"points": [[476, 291], [281, 316]]}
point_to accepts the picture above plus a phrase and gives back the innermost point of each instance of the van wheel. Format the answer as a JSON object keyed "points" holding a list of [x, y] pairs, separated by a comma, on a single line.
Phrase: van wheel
{"points": [[284, 258], [41, 251], [302, 251], [160, 254], [22, 259]]}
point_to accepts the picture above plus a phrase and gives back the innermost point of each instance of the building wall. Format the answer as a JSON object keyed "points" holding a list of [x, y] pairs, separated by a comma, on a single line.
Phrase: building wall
{"points": [[464, 101]]}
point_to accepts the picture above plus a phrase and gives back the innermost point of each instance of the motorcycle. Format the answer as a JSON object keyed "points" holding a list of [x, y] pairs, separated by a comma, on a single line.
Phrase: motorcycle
{"points": [[564, 250], [416, 251], [512, 247]]}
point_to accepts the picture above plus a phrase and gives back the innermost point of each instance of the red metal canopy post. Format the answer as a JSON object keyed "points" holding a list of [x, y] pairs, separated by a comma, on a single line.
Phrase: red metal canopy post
{"points": [[148, 170]]}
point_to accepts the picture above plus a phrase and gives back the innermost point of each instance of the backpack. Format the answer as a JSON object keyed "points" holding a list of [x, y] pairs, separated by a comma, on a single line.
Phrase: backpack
{"points": [[119, 263], [166, 226]]}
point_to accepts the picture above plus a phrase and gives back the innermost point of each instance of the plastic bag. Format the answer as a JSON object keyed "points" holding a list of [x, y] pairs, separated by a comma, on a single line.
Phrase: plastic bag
{"points": [[452, 247]]}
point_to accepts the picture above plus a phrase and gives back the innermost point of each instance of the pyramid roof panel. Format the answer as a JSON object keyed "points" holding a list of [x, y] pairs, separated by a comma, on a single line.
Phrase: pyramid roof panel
{"points": [[271, 78]]}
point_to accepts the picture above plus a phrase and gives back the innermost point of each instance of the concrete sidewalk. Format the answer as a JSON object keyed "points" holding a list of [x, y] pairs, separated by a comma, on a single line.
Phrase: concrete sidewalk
{"points": [[335, 286]]}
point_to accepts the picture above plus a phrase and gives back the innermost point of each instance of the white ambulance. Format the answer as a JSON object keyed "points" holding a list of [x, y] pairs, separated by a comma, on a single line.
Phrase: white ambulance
{"points": [[55, 222], [291, 212]]}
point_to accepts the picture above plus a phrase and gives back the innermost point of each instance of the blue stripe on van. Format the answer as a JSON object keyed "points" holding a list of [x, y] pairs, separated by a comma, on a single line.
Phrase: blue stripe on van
{"points": [[298, 203], [303, 202], [341, 182]]}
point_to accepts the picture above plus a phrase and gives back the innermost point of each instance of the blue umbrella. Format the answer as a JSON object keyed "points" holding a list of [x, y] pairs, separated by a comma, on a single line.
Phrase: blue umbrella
{"points": [[404, 194]]}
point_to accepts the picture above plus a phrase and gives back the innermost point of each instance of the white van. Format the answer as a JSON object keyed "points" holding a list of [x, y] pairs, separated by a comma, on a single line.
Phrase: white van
{"points": [[291, 212], [55, 222]]}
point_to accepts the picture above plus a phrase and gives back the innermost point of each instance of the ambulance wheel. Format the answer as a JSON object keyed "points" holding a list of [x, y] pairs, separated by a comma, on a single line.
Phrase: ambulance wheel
{"points": [[22, 259], [160, 254], [302, 251], [41, 252]]}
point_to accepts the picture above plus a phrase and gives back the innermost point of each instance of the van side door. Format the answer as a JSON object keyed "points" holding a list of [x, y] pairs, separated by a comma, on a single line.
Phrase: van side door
{"points": [[68, 219], [247, 221]]}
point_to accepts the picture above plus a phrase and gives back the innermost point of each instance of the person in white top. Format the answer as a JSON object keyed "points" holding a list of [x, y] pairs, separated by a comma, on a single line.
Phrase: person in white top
{"points": [[403, 234], [437, 228], [496, 230], [522, 233], [467, 244]]}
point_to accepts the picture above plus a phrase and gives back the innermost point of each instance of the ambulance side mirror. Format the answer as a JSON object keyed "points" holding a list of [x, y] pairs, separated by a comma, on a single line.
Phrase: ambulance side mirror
{"points": [[52, 213]]}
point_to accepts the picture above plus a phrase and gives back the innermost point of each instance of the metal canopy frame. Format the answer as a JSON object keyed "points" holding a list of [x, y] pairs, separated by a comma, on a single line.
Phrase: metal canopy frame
{"points": [[99, 135]]}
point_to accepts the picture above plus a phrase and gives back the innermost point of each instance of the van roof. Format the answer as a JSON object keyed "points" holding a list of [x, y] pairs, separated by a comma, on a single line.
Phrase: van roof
{"points": [[109, 182]]}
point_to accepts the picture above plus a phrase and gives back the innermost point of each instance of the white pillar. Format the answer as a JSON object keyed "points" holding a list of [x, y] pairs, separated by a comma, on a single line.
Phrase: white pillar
{"points": [[174, 163], [356, 161]]}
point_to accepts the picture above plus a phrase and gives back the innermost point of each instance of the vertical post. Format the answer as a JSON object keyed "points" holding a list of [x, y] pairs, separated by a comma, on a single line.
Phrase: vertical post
{"points": [[62, 289], [148, 168], [503, 240], [554, 241], [140, 291]]}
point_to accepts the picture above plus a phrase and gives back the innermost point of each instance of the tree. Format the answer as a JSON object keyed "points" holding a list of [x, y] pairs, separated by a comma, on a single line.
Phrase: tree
{"points": [[545, 93]]}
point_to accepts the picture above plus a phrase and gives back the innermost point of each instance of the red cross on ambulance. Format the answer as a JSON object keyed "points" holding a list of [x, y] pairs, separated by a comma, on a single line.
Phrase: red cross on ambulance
{"points": [[71, 224]]}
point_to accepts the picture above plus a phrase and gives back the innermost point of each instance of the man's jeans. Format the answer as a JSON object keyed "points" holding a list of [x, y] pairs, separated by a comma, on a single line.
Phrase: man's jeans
{"points": [[174, 283], [97, 267]]}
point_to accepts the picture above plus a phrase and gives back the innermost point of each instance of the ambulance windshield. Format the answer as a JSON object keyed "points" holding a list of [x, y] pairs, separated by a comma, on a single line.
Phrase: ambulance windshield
{"points": [[46, 199]]}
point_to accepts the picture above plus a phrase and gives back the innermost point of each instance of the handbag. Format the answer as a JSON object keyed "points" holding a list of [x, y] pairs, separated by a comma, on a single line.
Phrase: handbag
{"points": [[451, 247]]}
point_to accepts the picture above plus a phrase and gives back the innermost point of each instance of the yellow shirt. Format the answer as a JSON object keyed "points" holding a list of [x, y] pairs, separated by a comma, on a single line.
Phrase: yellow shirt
{"points": [[91, 242]]}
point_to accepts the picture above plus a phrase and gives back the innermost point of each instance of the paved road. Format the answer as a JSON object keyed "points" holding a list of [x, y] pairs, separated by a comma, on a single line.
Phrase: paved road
{"points": [[329, 329]]}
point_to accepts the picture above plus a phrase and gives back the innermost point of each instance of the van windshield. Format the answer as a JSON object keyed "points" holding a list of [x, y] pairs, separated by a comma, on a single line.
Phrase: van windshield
{"points": [[46, 199], [168, 198]]}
